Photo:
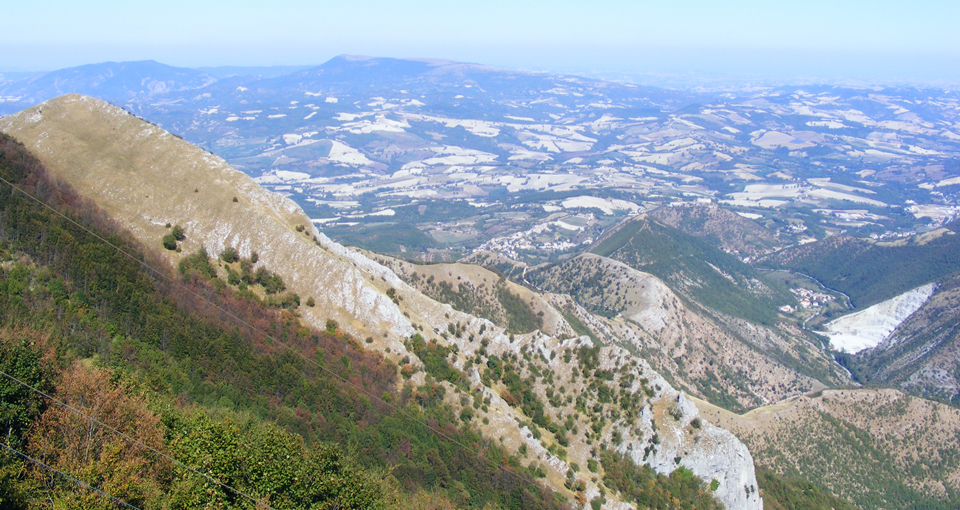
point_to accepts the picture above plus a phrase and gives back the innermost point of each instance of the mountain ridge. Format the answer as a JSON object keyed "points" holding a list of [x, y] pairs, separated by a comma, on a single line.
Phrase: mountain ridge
{"points": [[377, 301]]}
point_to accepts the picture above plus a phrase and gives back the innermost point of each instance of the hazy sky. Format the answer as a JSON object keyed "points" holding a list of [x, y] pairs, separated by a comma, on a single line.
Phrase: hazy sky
{"points": [[840, 38]]}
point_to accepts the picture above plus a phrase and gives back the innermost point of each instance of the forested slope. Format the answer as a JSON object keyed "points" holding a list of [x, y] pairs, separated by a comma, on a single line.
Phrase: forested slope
{"points": [[696, 269], [870, 272]]}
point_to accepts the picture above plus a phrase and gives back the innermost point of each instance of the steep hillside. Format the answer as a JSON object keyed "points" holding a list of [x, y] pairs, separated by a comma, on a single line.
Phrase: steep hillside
{"points": [[922, 356], [182, 363], [727, 230], [728, 361], [878, 448], [147, 179], [557, 402], [481, 292], [695, 268]]}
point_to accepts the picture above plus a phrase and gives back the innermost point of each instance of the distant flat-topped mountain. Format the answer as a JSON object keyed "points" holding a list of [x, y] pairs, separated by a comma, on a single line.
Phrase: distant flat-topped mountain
{"points": [[473, 84], [121, 82]]}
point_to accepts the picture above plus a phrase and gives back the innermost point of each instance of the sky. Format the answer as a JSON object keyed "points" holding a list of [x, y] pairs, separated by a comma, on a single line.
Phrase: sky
{"points": [[850, 39]]}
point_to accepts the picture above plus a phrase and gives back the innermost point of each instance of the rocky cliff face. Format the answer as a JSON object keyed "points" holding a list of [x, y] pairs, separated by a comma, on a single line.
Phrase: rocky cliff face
{"points": [[868, 328], [146, 178]]}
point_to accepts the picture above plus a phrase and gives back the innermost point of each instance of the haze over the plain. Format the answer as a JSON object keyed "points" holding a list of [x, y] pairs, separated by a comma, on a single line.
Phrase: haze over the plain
{"points": [[877, 40]]}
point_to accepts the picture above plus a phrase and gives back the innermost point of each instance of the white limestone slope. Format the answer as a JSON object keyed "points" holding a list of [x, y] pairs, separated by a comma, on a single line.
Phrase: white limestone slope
{"points": [[868, 328]]}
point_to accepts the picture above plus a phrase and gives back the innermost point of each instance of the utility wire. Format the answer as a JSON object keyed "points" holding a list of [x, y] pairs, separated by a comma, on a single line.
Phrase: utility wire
{"points": [[131, 439], [74, 480], [254, 329]]}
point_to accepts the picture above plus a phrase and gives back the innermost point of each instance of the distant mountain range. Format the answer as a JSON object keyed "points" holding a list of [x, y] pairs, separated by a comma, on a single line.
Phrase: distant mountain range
{"points": [[118, 82], [123, 82]]}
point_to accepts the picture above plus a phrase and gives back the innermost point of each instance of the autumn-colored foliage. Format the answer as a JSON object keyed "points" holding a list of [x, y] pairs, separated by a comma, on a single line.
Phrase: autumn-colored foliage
{"points": [[81, 448]]}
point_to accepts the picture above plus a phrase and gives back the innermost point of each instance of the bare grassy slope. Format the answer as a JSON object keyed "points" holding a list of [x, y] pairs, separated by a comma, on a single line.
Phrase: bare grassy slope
{"points": [[878, 448], [145, 178]]}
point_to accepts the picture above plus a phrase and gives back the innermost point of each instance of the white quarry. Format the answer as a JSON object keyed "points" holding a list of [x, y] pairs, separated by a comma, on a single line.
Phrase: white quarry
{"points": [[869, 327]]}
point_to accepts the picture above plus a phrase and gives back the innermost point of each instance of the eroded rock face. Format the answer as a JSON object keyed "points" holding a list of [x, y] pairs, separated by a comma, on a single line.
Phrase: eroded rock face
{"points": [[146, 178], [685, 439]]}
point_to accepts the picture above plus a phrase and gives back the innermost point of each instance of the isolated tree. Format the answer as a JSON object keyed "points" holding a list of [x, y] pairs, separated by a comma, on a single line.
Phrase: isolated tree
{"points": [[170, 242], [178, 233], [229, 255]]}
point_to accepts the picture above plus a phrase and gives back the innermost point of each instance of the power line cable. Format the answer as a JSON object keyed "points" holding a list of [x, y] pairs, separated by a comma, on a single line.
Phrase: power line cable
{"points": [[74, 480], [254, 329]]}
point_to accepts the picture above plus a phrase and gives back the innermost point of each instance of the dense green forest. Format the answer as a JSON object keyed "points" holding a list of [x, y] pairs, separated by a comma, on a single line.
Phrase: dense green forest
{"points": [[868, 272], [167, 362]]}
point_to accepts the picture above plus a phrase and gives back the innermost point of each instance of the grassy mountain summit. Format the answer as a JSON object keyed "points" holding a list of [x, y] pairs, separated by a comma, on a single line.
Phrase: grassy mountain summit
{"points": [[147, 179]]}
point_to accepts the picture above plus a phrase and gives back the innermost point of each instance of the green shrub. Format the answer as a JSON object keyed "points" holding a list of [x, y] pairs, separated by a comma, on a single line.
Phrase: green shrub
{"points": [[271, 282], [170, 242], [434, 359], [229, 255], [198, 262]]}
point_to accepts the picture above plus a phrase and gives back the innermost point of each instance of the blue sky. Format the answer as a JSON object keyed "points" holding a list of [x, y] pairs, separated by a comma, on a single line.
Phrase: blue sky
{"points": [[802, 38]]}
